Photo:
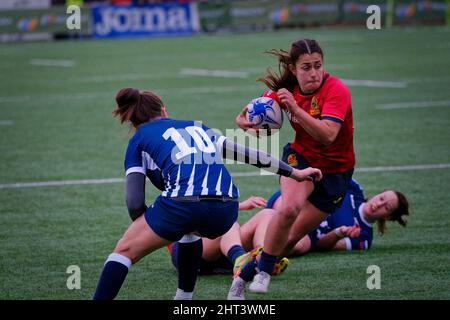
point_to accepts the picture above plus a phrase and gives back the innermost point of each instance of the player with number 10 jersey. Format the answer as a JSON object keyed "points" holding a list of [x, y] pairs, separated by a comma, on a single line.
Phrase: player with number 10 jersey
{"points": [[184, 154]]}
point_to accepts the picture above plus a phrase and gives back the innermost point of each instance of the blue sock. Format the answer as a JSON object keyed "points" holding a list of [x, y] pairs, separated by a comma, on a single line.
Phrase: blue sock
{"points": [[188, 256], [249, 271], [113, 275], [267, 262], [234, 252]]}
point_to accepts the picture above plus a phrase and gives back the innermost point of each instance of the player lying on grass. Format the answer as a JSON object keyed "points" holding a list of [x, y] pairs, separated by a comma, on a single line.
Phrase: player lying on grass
{"points": [[350, 227]]}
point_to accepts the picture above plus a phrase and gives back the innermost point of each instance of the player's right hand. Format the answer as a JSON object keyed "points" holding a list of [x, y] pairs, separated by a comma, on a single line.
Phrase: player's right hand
{"points": [[252, 203], [241, 120], [351, 232], [308, 174]]}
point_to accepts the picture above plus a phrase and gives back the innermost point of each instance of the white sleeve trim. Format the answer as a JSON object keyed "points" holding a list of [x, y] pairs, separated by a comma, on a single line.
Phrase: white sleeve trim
{"points": [[361, 215], [348, 243], [135, 169]]}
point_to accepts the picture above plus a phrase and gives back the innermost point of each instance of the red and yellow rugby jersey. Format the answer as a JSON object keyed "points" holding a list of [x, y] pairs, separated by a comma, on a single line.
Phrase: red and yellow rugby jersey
{"points": [[330, 102]]}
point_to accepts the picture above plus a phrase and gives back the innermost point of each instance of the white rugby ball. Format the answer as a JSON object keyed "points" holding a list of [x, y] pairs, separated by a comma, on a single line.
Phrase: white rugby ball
{"points": [[265, 113]]}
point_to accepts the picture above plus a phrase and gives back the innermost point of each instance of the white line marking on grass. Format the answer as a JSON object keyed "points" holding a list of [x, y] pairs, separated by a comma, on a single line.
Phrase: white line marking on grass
{"points": [[110, 94], [60, 183], [6, 122], [422, 80], [213, 73], [374, 84], [55, 97], [214, 90], [235, 174], [52, 63], [415, 104], [406, 168], [113, 78]]}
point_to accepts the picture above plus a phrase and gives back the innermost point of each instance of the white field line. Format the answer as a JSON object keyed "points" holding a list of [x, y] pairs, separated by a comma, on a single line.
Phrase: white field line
{"points": [[374, 84], [213, 73], [413, 104], [180, 91], [422, 80], [60, 183], [52, 63], [110, 94], [235, 174], [124, 77], [6, 122], [244, 73], [55, 97]]}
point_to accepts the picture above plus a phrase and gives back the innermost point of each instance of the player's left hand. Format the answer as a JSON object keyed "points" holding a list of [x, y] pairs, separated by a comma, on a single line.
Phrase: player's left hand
{"points": [[287, 99], [252, 203]]}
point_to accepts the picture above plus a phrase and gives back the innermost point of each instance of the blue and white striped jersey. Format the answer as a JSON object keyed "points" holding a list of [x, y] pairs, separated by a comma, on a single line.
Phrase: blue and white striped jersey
{"points": [[182, 158], [348, 214]]}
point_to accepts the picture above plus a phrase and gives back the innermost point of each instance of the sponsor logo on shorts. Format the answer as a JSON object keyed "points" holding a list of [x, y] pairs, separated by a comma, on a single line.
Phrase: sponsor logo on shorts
{"points": [[336, 201]]}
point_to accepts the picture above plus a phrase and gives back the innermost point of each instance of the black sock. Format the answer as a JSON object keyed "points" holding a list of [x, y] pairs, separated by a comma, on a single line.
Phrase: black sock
{"points": [[267, 262], [249, 271], [113, 275], [188, 257], [234, 252]]}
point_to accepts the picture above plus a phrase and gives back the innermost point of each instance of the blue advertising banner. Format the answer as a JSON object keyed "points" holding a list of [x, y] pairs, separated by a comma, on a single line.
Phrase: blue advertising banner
{"points": [[165, 19]]}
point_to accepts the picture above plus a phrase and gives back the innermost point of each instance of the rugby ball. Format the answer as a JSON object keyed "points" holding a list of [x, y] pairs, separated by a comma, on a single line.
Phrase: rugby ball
{"points": [[265, 113]]}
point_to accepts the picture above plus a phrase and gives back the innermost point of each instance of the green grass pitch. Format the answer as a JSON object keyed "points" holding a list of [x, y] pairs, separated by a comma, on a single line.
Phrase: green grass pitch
{"points": [[56, 125]]}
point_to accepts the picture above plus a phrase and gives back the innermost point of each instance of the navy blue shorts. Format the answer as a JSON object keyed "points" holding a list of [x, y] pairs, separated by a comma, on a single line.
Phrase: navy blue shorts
{"points": [[220, 266], [329, 192], [172, 219]]}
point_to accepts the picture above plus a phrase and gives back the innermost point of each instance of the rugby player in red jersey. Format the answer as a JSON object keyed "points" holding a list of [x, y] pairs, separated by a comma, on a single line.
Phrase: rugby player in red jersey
{"points": [[319, 108]]}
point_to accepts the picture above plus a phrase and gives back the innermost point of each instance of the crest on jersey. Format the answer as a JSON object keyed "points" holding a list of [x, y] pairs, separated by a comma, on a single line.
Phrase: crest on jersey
{"points": [[314, 110]]}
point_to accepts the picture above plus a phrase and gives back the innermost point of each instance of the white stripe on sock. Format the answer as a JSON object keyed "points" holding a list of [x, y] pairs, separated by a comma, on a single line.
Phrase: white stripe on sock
{"points": [[120, 259]]}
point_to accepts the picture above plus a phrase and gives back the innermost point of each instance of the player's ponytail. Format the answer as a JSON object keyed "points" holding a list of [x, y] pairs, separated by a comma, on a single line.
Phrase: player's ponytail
{"points": [[402, 212], [285, 78], [137, 107]]}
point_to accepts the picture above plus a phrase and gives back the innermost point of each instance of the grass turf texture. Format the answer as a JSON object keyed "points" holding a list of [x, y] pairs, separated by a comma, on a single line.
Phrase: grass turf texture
{"points": [[62, 129]]}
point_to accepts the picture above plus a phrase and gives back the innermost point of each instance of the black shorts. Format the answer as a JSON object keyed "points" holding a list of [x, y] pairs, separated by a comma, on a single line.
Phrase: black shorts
{"points": [[329, 192], [172, 218]]}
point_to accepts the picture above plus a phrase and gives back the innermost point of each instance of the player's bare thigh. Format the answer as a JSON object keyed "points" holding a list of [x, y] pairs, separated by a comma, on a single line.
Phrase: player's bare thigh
{"points": [[139, 240]]}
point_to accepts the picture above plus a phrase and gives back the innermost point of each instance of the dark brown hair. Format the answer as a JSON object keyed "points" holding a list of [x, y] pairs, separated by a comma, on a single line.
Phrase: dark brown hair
{"points": [[137, 107], [286, 79], [399, 215]]}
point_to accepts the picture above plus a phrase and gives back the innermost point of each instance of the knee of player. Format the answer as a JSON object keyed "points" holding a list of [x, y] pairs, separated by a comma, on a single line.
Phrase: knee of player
{"points": [[289, 212], [123, 247]]}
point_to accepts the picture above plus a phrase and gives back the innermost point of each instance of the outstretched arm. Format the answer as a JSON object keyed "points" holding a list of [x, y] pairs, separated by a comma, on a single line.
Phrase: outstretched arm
{"points": [[252, 203], [260, 159]]}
